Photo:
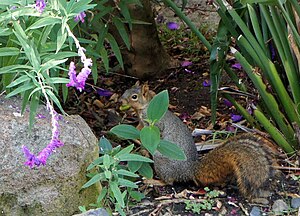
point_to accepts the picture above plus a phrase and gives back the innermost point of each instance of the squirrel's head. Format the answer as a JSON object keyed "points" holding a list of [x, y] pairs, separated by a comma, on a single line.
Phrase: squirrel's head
{"points": [[137, 97]]}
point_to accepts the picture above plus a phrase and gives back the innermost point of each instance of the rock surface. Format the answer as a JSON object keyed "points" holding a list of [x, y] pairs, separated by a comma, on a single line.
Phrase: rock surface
{"points": [[279, 207], [53, 189], [295, 202], [94, 212]]}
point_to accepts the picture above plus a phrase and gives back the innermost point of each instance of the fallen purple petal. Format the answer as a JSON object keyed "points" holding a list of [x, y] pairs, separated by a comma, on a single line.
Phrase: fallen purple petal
{"points": [[206, 83], [237, 66], [236, 118], [104, 92], [188, 71], [160, 19], [184, 116], [230, 128], [40, 116], [186, 63], [227, 103], [172, 25]]}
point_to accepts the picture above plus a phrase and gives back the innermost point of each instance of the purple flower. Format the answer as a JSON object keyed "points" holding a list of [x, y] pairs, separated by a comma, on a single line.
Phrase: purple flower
{"points": [[40, 5], [236, 118], [80, 17], [186, 63], [172, 25], [227, 103], [237, 66], [206, 83], [79, 81], [42, 157]]}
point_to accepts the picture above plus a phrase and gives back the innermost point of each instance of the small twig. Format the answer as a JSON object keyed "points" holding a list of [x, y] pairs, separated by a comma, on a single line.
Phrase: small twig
{"points": [[286, 168]]}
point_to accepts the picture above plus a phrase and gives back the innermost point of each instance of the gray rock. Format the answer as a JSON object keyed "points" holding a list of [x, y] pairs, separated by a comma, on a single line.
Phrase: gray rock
{"points": [[279, 206], [295, 203], [255, 211], [94, 212], [54, 189]]}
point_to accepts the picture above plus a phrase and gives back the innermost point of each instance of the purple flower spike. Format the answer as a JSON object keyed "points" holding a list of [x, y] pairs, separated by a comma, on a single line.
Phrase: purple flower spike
{"points": [[80, 17], [206, 83], [40, 5], [79, 81], [236, 118], [172, 25]]}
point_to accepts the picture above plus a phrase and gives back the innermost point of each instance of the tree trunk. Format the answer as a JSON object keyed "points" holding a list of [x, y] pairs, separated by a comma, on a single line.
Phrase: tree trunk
{"points": [[146, 57]]}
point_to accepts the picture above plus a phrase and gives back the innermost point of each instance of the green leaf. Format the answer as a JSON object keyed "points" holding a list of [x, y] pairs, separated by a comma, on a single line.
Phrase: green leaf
{"points": [[134, 165], [104, 145], [57, 56], [21, 79], [61, 38], [95, 163], [126, 183], [115, 48], [52, 63], [106, 161], [150, 137], [126, 150], [125, 12], [134, 157], [54, 99], [14, 68], [102, 194], [138, 196], [55, 80], [122, 31], [126, 173], [96, 178], [126, 131], [117, 193], [107, 174], [9, 51], [104, 58], [171, 150], [146, 171], [20, 89], [44, 22], [158, 106]]}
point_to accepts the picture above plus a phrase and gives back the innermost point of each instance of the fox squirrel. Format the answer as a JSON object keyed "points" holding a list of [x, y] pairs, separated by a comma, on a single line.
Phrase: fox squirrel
{"points": [[245, 158]]}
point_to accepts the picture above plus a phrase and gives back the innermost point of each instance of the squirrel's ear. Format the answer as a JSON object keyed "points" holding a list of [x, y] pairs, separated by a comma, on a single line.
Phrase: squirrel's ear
{"points": [[145, 90], [137, 84]]}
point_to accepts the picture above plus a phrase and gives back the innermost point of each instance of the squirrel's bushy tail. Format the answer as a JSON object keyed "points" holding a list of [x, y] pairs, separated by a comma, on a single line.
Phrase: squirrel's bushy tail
{"points": [[247, 158]]}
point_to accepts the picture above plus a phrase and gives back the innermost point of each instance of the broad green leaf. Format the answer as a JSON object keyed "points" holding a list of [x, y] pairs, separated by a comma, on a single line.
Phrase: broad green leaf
{"points": [[104, 58], [107, 174], [122, 31], [115, 48], [44, 22], [20, 89], [96, 178], [126, 150], [57, 56], [95, 163], [104, 145], [150, 137], [126, 173], [158, 106], [134, 157], [5, 32], [134, 165], [127, 183], [21, 79], [24, 11], [106, 161], [117, 193], [9, 51], [126, 131], [138, 196], [171, 150], [125, 12], [146, 171]]}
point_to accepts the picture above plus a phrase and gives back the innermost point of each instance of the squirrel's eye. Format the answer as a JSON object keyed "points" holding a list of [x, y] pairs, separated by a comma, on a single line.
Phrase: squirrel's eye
{"points": [[134, 97]]}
